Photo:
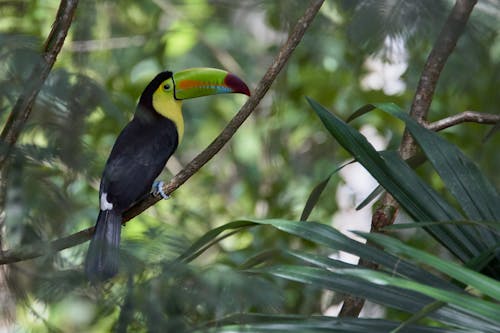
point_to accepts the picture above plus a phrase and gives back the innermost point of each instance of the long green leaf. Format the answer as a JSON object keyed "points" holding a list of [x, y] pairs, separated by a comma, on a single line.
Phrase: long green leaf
{"points": [[463, 301], [385, 294], [197, 248], [313, 198], [476, 194], [372, 196], [417, 198], [413, 162], [325, 235], [426, 311], [365, 154], [330, 237], [485, 284], [461, 240], [302, 324], [493, 226]]}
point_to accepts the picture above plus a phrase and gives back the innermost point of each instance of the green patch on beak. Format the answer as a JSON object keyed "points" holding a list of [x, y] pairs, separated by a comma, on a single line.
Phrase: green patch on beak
{"points": [[197, 82]]}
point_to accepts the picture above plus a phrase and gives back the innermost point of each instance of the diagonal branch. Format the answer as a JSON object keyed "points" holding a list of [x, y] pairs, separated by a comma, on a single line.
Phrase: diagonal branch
{"points": [[22, 109], [245, 111], [33, 251]]}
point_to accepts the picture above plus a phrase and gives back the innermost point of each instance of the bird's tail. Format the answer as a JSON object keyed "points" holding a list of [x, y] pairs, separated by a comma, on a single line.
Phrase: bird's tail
{"points": [[103, 255]]}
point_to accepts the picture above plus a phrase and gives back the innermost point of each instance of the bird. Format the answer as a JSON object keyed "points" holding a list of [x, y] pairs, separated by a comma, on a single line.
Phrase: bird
{"points": [[140, 153]]}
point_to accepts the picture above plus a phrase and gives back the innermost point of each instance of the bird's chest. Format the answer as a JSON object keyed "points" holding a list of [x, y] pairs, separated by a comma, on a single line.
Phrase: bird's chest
{"points": [[156, 141], [137, 158]]}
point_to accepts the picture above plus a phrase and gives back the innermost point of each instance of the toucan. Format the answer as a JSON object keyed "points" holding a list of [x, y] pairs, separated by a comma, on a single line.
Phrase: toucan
{"points": [[141, 151]]}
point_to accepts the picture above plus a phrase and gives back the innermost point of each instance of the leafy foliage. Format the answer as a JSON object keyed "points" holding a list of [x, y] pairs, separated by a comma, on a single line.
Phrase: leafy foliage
{"points": [[184, 268]]}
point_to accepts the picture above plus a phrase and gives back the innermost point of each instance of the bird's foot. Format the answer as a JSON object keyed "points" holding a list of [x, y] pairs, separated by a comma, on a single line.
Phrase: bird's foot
{"points": [[158, 190]]}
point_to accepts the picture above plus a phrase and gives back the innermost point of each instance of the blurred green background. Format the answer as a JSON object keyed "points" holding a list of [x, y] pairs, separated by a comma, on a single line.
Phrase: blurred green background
{"points": [[355, 52]]}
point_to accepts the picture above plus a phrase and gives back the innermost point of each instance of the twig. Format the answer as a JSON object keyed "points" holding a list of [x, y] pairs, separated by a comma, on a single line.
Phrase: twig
{"points": [[106, 44], [22, 109], [223, 57], [464, 117], [445, 43], [192, 167]]}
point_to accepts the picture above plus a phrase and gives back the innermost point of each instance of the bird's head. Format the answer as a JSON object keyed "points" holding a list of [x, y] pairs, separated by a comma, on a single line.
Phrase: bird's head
{"points": [[165, 93]]}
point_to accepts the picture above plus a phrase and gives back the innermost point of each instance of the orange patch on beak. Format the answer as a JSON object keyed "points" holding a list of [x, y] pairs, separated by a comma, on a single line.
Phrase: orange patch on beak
{"points": [[187, 84]]}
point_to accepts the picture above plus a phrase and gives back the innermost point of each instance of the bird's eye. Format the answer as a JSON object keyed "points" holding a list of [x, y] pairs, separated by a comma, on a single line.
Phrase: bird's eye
{"points": [[166, 87]]}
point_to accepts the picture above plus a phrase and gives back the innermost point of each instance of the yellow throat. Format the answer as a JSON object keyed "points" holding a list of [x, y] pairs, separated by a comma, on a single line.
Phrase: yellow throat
{"points": [[166, 105]]}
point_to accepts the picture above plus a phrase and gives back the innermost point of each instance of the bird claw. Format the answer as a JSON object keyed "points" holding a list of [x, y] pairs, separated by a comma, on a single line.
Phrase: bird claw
{"points": [[158, 190]]}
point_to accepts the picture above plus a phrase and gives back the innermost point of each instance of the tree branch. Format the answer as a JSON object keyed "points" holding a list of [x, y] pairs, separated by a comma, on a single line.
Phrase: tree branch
{"points": [[442, 49], [14, 126], [464, 117], [245, 111], [445, 43], [36, 250], [22, 109]]}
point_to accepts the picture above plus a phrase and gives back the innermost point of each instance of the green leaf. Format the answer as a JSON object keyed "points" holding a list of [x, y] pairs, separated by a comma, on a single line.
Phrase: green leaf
{"points": [[418, 199], [463, 301], [319, 260], [210, 238], [287, 323], [493, 226], [484, 284], [360, 112], [462, 242], [313, 198], [330, 237], [413, 162], [372, 196], [411, 301], [428, 309], [475, 193], [365, 154], [407, 193]]}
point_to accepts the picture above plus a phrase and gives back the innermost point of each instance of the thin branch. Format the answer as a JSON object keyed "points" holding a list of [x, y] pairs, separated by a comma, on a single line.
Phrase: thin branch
{"points": [[22, 109], [464, 117], [106, 44], [443, 47], [192, 167], [445, 43], [223, 57], [15, 124]]}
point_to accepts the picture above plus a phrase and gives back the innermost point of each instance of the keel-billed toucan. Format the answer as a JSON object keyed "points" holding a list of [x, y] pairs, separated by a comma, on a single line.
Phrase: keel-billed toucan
{"points": [[141, 151]]}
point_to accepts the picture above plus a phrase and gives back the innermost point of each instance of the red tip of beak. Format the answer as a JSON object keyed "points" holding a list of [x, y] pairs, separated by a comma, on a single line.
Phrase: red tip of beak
{"points": [[236, 84]]}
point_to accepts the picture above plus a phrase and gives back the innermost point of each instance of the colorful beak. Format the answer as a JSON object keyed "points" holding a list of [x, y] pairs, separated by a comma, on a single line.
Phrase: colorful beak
{"points": [[197, 82]]}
